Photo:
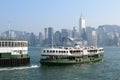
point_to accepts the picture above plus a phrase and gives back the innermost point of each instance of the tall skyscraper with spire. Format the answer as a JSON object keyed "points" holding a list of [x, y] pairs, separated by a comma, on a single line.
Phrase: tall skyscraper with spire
{"points": [[82, 28]]}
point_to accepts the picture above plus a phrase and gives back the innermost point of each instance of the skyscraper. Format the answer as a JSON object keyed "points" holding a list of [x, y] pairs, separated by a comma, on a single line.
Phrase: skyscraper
{"points": [[82, 28], [45, 33], [101, 34], [89, 35], [94, 37], [75, 33], [57, 38], [50, 36], [40, 38]]}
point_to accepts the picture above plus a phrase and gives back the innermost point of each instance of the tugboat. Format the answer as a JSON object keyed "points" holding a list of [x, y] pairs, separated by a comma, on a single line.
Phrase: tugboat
{"points": [[71, 55], [14, 53]]}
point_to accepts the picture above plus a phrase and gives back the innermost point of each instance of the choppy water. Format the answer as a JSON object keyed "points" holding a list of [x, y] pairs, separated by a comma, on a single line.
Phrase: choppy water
{"points": [[109, 69]]}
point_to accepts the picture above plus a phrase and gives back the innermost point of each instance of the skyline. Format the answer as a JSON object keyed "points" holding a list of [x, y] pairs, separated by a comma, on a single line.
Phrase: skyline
{"points": [[35, 15]]}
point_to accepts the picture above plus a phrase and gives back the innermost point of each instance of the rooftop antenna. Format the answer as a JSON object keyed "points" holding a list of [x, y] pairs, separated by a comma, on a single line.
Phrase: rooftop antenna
{"points": [[81, 14]]}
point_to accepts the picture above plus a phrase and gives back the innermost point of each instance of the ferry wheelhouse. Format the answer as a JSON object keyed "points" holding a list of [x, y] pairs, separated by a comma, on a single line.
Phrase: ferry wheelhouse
{"points": [[70, 55], [14, 53]]}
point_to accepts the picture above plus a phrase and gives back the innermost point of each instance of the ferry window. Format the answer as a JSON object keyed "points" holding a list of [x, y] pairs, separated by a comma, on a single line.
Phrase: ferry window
{"points": [[15, 44], [9, 44], [47, 51], [5, 44], [53, 51], [12, 44], [44, 51], [22, 44], [56, 51], [2, 44], [18, 44], [25, 44]]}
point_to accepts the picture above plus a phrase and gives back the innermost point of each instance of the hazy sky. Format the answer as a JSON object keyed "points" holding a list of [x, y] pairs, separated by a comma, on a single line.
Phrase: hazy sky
{"points": [[35, 15]]}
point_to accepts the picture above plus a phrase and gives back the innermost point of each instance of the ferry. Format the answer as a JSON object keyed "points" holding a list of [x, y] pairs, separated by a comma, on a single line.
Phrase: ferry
{"points": [[14, 53], [71, 55]]}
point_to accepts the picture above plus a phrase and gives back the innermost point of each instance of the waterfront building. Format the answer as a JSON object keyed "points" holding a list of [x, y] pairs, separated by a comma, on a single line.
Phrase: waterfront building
{"points": [[101, 36], [75, 33], [64, 34], [32, 40], [89, 35], [40, 38], [57, 38]]}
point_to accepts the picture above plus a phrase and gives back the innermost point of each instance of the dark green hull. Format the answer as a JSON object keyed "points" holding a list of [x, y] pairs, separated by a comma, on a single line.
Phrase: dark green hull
{"points": [[84, 59], [10, 62]]}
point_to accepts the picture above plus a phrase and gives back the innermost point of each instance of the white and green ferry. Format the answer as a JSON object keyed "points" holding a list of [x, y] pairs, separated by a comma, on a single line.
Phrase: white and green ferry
{"points": [[71, 55], [14, 53]]}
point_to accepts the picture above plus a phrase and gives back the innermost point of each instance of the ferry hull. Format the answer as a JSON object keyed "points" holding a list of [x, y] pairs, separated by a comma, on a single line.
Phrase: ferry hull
{"points": [[12, 62]]}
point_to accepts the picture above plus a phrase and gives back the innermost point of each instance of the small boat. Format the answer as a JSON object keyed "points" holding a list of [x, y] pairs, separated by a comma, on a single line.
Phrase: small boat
{"points": [[14, 53], [71, 55]]}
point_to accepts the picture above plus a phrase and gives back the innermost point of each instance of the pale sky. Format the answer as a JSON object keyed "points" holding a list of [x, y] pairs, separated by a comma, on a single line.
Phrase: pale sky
{"points": [[35, 15]]}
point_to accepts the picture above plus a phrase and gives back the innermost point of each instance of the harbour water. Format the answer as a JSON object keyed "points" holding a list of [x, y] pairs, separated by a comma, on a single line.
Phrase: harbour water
{"points": [[108, 69]]}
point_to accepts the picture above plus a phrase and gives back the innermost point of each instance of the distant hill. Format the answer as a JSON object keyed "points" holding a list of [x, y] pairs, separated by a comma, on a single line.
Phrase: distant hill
{"points": [[111, 28], [15, 34]]}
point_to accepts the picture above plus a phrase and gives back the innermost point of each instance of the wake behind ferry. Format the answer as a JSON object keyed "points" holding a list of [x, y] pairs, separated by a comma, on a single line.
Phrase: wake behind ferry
{"points": [[71, 55]]}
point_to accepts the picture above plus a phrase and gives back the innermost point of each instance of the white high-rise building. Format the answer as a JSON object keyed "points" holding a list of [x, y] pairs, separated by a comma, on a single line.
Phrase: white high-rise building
{"points": [[82, 27], [94, 37]]}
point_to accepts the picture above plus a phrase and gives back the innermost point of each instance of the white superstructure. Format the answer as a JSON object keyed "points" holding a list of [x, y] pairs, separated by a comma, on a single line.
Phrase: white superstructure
{"points": [[70, 51], [15, 47]]}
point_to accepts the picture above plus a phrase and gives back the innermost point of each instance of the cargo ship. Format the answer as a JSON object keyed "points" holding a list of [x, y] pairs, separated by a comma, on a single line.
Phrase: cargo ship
{"points": [[71, 55], [14, 53]]}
